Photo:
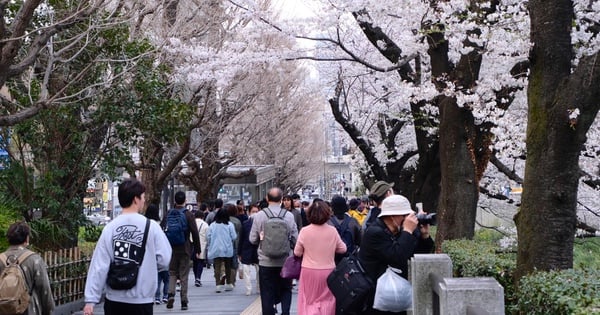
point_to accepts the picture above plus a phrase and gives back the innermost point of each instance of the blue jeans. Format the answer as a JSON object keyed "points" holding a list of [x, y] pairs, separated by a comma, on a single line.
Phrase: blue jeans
{"points": [[274, 289], [163, 277]]}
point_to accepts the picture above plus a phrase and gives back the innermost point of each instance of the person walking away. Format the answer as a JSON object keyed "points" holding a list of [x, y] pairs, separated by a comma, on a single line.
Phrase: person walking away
{"points": [[152, 213], [379, 191], [247, 252], [211, 215], [392, 240], [232, 211], [120, 240], [35, 270], [303, 208], [272, 254], [198, 262], [317, 244], [346, 226], [180, 229], [220, 238]]}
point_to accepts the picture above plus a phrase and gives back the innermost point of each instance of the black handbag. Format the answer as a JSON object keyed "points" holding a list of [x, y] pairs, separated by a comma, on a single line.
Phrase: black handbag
{"points": [[350, 285], [122, 275]]}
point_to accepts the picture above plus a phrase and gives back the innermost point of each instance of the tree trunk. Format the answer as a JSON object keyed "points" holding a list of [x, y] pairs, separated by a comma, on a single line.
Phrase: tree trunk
{"points": [[547, 218], [459, 188]]}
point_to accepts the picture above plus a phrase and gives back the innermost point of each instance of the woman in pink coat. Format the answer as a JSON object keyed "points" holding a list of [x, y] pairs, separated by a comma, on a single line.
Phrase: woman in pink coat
{"points": [[317, 244]]}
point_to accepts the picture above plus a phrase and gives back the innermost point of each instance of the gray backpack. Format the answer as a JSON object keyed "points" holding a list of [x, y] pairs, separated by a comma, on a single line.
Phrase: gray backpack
{"points": [[276, 241]]}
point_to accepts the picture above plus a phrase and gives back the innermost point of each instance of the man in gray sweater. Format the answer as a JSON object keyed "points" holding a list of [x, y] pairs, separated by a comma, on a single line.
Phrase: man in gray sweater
{"points": [[122, 239], [273, 288]]}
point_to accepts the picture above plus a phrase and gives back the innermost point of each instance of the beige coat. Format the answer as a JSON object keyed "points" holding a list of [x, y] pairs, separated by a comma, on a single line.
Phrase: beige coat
{"points": [[202, 229]]}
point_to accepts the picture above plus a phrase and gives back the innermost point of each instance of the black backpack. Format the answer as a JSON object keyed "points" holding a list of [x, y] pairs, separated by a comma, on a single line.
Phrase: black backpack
{"points": [[351, 286], [345, 234]]}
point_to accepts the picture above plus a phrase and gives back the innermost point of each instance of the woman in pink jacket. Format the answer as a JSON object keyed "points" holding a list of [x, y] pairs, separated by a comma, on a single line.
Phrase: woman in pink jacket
{"points": [[317, 244]]}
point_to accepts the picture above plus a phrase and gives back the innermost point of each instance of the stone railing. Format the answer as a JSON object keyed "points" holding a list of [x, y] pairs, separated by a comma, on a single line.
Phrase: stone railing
{"points": [[436, 292]]}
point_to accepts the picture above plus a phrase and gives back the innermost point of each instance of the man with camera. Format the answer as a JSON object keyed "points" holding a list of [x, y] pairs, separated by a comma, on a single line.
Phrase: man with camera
{"points": [[392, 239]]}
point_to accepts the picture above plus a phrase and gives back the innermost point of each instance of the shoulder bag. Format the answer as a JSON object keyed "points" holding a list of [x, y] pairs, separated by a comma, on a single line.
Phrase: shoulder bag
{"points": [[122, 275]]}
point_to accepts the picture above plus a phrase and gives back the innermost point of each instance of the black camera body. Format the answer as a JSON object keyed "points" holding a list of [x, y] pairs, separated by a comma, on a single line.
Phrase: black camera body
{"points": [[428, 218]]}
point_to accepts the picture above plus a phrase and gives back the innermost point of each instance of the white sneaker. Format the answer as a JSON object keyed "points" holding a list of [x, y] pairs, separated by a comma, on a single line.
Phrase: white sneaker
{"points": [[228, 287], [219, 288], [248, 292]]}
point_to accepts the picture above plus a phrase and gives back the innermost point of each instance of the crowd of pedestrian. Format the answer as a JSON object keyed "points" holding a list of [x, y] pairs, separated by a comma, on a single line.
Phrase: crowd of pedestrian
{"points": [[235, 240]]}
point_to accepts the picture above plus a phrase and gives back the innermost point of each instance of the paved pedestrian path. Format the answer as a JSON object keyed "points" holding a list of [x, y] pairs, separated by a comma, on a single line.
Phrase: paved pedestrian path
{"points": [[204, 300]]}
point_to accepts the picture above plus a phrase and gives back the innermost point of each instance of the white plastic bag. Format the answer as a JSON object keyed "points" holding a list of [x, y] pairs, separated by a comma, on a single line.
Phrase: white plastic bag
{"points": [[393, 293]]}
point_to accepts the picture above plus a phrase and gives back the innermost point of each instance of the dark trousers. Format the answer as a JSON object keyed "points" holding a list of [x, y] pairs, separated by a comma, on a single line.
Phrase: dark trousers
{"points": [[179, 268], [119, 308], [274, 289], [198, 266], [222, 267], [163, 278]]}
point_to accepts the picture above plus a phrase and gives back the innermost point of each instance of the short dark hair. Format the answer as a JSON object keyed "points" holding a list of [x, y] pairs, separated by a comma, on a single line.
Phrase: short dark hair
{"points": [[295, 196], [17, 233], [231, 209], [203, 206], [319, 213], [222, 216], [152, 212], [199, 214], [128, 190], [179, 198], [262, 204], [305, 203], [219, 203]]}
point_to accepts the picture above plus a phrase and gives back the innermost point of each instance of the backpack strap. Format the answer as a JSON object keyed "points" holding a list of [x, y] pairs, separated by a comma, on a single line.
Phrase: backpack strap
{"points": [[345, 223], [280, 212], [336, 224], [21, 258], [24, 256], [146, 230], [268, 212]]}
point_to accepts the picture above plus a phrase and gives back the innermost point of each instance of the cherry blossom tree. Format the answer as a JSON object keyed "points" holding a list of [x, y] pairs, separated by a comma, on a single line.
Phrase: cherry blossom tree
{"points": [[563, 102], [229, 66], [418, 69]]}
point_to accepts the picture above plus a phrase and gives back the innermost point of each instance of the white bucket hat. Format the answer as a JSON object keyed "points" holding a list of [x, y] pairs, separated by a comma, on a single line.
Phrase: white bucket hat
{"points": [[395, 205]]}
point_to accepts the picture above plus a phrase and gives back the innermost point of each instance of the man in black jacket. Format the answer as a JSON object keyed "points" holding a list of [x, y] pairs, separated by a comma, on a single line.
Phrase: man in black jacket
{"points": [[391, 240]]}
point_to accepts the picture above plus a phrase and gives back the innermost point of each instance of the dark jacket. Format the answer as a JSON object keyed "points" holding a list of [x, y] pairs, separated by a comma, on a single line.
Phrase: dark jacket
{"points": [[247, 251], [379, 249], [354, 227], [371, 217]]}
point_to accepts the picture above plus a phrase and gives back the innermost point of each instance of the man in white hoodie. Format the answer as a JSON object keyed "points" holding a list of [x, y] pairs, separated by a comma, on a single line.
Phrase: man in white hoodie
{"points": [[122, 239]]}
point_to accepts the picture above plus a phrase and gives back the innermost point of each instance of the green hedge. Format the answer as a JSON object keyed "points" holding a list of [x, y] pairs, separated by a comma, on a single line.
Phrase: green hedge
{"points": [[479, 259], [558, 292]]}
